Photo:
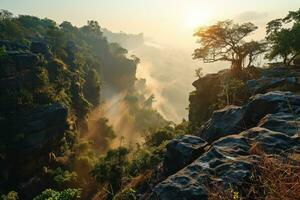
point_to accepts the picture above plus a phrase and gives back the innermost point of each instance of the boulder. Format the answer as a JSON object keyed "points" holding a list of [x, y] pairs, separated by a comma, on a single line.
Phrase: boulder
{"points": [[284, 78], [182, 151], [270, 103], [281, 122], [276, 70], [224, 122], [265, 84], [234, 119], [228, 162]]}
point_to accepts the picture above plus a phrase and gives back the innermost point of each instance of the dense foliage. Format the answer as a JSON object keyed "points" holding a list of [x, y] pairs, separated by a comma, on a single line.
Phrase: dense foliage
{"points": [[225, 41], [44, 64], [120, 167], [56, 70], [284, 37]]}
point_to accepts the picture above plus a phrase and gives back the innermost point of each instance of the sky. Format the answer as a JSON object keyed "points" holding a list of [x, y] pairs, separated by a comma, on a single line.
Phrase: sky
{"points": [[165, 21]]}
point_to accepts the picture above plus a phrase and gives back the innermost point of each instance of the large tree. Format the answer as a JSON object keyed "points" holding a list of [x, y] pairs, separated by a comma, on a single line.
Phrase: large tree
{"points": [[284, 37], [225, 41]]}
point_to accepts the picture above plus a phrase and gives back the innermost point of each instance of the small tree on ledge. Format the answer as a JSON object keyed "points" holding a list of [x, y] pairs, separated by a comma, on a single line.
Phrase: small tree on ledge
{"points": [[224, 41]]}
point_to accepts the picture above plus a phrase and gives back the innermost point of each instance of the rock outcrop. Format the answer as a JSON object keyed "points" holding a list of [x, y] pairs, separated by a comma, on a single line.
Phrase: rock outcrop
{"points": [[286, 123], [276, 78], [182, 151], [270, 121], [265, 83], [234, 119], [207, 89], [229, 120], [32, 135], [228, 161], [207, 97], [42, 48]]}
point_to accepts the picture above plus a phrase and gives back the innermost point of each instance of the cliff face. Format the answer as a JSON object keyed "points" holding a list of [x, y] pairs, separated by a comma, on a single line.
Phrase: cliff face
{"points": [[270, 121], [29, 131], [30, 136], [208, 89], [222, 152], [203, 98]]}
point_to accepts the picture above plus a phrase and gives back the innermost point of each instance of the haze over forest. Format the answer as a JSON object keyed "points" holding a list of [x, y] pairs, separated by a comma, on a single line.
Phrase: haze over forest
{"points": [[149, 100], [167, 28]]}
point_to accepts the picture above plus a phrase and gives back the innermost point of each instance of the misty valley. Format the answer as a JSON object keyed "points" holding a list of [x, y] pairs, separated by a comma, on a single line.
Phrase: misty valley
{"points": [[91, 113]]}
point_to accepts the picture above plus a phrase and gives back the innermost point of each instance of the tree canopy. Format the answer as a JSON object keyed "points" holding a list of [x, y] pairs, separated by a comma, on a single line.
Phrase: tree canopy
{"points": [[225, 41], [283, 36]]}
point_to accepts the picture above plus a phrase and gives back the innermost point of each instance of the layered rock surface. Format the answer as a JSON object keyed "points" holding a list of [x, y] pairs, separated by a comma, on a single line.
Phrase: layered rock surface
{"points": [[234, 119], [182, 151], [37, 133], [270, 121], [208, 88], [276, 78]]}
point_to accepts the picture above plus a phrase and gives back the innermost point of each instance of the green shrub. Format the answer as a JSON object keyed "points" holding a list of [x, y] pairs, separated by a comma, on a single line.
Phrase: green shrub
{"points": [[68, 194], [112, 168], [61, 176], [83, 159], [12, 195], [232, 93], [101, 134], [158, 137], [142, 160], [68, 141], [146, 158]]}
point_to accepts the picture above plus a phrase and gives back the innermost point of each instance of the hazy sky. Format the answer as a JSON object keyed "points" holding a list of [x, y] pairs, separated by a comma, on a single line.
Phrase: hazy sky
{"points": [[167, 21]]}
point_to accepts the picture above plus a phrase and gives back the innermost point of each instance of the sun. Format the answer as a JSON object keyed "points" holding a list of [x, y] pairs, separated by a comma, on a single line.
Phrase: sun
{"points": [[194, 19]]}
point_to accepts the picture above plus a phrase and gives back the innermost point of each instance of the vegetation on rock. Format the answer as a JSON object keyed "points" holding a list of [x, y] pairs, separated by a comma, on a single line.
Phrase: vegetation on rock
{"points": [[51, 78]]}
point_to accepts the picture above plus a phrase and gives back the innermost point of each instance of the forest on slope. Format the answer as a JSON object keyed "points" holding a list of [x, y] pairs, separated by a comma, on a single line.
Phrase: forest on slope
{"points": [[51, 80], [77, 123]]}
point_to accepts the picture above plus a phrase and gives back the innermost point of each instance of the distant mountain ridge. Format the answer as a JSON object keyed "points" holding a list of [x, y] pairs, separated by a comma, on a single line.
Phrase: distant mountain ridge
{"points": [[126, 40]]}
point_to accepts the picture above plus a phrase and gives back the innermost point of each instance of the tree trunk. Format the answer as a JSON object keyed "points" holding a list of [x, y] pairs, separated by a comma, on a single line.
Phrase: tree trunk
{"points": [[236, 66], [250, 60]]}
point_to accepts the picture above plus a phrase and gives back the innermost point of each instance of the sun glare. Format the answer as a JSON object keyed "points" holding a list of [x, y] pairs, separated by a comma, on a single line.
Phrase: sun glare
{"points": [[194, 19]]}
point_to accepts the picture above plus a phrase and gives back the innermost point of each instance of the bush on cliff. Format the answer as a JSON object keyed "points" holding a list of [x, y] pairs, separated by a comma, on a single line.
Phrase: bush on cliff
{"points": [[68, 194]]}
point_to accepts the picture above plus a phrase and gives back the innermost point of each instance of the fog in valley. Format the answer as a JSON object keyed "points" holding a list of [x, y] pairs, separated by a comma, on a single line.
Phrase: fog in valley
{"points": [[160, 99], [169, 71]]}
